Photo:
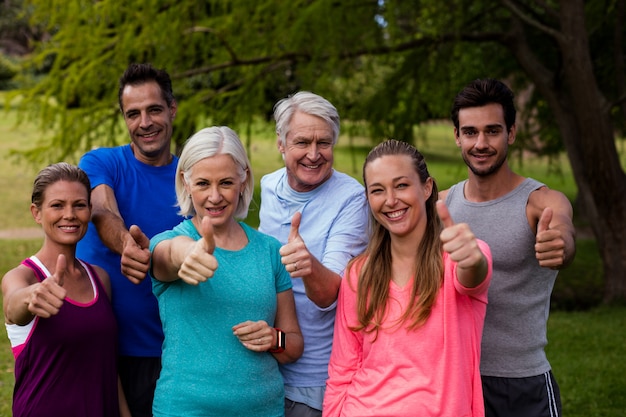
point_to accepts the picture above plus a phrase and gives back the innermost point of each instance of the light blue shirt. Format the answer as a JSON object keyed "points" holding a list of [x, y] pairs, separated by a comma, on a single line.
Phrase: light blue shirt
{"points": [[334, 229]]}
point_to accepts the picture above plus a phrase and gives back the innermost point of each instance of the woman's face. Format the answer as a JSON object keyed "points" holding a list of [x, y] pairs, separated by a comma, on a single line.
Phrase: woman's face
{"points": [[396, 196], [215, 187], [65, 212]]}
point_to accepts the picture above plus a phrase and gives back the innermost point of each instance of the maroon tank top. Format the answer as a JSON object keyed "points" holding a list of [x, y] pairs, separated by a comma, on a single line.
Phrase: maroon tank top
{"points": [[68, 366]]}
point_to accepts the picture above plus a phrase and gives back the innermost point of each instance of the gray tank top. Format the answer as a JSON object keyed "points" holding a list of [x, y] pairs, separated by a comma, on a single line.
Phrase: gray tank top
{"points": [[514, 335]]}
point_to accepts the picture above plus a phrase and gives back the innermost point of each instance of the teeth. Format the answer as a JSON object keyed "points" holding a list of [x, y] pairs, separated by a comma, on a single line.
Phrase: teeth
{"points": [[395, 214], [312, 166]]}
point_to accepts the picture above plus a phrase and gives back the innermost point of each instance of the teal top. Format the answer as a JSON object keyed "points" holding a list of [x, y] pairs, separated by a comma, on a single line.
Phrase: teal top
{"points": [[206, 370]]}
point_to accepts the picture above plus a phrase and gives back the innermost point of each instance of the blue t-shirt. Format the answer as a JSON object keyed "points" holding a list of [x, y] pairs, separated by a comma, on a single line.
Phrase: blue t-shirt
{"points": [[334, 229], [146, 197], [206, 370]]}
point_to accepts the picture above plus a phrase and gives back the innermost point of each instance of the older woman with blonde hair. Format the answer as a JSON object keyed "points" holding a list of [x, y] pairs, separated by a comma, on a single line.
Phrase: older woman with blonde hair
{"points": [[224, 296]]}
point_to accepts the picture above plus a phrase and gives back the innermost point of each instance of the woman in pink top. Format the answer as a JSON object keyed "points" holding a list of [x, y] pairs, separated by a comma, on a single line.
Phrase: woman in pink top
{"points": [[411, 308]]}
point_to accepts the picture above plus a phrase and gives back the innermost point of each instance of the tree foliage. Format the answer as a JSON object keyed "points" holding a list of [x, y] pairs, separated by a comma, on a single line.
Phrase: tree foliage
{"points": [[390, 63]]}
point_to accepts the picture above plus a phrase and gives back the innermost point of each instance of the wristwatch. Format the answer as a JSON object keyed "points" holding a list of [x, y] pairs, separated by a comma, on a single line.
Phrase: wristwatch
{"points": [[280, 342]]}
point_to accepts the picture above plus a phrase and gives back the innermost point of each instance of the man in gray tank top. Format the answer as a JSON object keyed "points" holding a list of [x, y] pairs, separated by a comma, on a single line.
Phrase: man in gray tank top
{"points": [[531, 235]]}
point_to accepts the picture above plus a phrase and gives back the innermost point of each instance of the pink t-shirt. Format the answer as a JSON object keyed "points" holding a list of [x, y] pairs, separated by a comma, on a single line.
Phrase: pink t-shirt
{"points": [[431, 371]]}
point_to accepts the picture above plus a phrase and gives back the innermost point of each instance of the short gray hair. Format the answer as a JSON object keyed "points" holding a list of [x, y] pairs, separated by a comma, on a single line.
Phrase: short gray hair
{"points": [[308, 103], [208, 142]]}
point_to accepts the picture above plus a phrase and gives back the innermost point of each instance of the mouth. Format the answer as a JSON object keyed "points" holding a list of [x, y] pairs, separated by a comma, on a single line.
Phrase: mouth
{"points": [[395, 214], [215, 211], [149, 135], [69, 228], [310, 166]]}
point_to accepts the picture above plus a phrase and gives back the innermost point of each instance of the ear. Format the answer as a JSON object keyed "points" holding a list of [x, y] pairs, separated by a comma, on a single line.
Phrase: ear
{"points": [[428, 188], [173, 109], [279, 144], [34, 210], [185, 184], [512, 133], [456, 137]]}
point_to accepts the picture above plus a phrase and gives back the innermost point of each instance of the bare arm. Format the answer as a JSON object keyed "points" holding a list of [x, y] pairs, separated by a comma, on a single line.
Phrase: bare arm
{"points": [[182, 257], [25, 296], [131, 244], [259, 336], [550, 215]]}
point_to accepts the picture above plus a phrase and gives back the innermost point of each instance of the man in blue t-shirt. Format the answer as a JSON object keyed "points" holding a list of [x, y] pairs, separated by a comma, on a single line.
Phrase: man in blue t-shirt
{"points": [[320, 216], [133, 199]]}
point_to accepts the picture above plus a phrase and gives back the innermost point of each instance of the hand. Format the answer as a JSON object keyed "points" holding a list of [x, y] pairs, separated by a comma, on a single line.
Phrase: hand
{"points": [[48, 296], [136, 255], [549, 243], [256, 335], [459, 241], [200, 264], [295, 255]]}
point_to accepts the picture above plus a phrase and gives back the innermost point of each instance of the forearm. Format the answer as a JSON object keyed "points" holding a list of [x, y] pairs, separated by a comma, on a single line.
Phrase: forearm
{"points": [[168, 256], [322, 284], [16, 307], [111, 229], [294, 346]]}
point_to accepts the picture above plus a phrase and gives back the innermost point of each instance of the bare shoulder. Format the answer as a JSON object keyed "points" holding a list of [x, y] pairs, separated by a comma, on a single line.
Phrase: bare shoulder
{"points": [[16, 278], [104, 278], [545, 197]]}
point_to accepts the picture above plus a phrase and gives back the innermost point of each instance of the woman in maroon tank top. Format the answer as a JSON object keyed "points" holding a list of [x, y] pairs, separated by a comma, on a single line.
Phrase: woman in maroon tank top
{"points": [[58, 313]]}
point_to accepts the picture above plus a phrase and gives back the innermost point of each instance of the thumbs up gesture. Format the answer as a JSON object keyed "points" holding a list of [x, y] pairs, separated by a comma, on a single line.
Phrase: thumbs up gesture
{"points": [[549, 243], [294, 254], [48, 296], [199, 263], [135, 260], [460, 243]]}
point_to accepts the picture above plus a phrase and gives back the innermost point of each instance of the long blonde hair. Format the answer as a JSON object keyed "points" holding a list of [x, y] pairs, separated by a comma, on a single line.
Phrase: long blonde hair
{"points": [[375, 275]]}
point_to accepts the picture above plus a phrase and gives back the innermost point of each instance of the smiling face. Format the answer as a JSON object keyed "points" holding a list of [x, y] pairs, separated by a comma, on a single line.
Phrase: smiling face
{"points": [[215, 185], [308, 152], [64, 213], [396, 196], [149, 121], [483, 138]]}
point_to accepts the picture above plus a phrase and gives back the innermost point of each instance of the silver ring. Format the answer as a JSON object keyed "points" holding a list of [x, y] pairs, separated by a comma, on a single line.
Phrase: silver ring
{"points": [[295, 265]]}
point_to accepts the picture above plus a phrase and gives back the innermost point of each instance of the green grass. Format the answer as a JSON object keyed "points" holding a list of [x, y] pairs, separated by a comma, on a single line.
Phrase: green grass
{"points": [[586, 347]]}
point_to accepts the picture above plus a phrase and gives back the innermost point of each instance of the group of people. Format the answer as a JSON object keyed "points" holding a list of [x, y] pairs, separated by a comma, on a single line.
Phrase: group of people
{"points": [[151, 296]]}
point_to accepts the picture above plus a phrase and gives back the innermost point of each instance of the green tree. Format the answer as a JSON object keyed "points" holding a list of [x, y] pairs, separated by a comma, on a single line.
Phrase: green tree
{"points": [[393, 63]]}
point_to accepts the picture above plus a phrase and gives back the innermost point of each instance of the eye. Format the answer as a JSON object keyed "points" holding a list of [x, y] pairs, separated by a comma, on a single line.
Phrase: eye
{"points": [[325, 144]]}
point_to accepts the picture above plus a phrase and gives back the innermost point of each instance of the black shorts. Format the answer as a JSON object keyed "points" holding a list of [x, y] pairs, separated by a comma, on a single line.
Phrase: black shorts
{"points": [[535, 396], [139, 376]]}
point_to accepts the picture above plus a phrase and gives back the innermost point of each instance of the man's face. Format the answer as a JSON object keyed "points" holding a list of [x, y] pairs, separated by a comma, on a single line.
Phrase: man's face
{"points": [[149, 121], [308, 152], [483, 138]]}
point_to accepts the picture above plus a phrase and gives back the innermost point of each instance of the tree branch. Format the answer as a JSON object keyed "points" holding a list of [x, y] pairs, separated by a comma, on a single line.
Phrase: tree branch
{"points": [[532, 22]]}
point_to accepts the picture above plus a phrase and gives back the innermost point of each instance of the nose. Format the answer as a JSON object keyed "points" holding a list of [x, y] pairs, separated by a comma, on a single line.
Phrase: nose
{"points": [[214, 194], [69, 213], [390, 198], [312, 151], [481, 141], [146, 120]]}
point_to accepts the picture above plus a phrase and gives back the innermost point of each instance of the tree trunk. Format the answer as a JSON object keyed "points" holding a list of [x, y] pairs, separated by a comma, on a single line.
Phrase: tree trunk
{"points": [[582, 114]]}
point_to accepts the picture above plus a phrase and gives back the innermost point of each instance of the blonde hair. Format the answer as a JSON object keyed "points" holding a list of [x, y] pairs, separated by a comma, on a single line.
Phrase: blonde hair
{"points": [[208, 142]]}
